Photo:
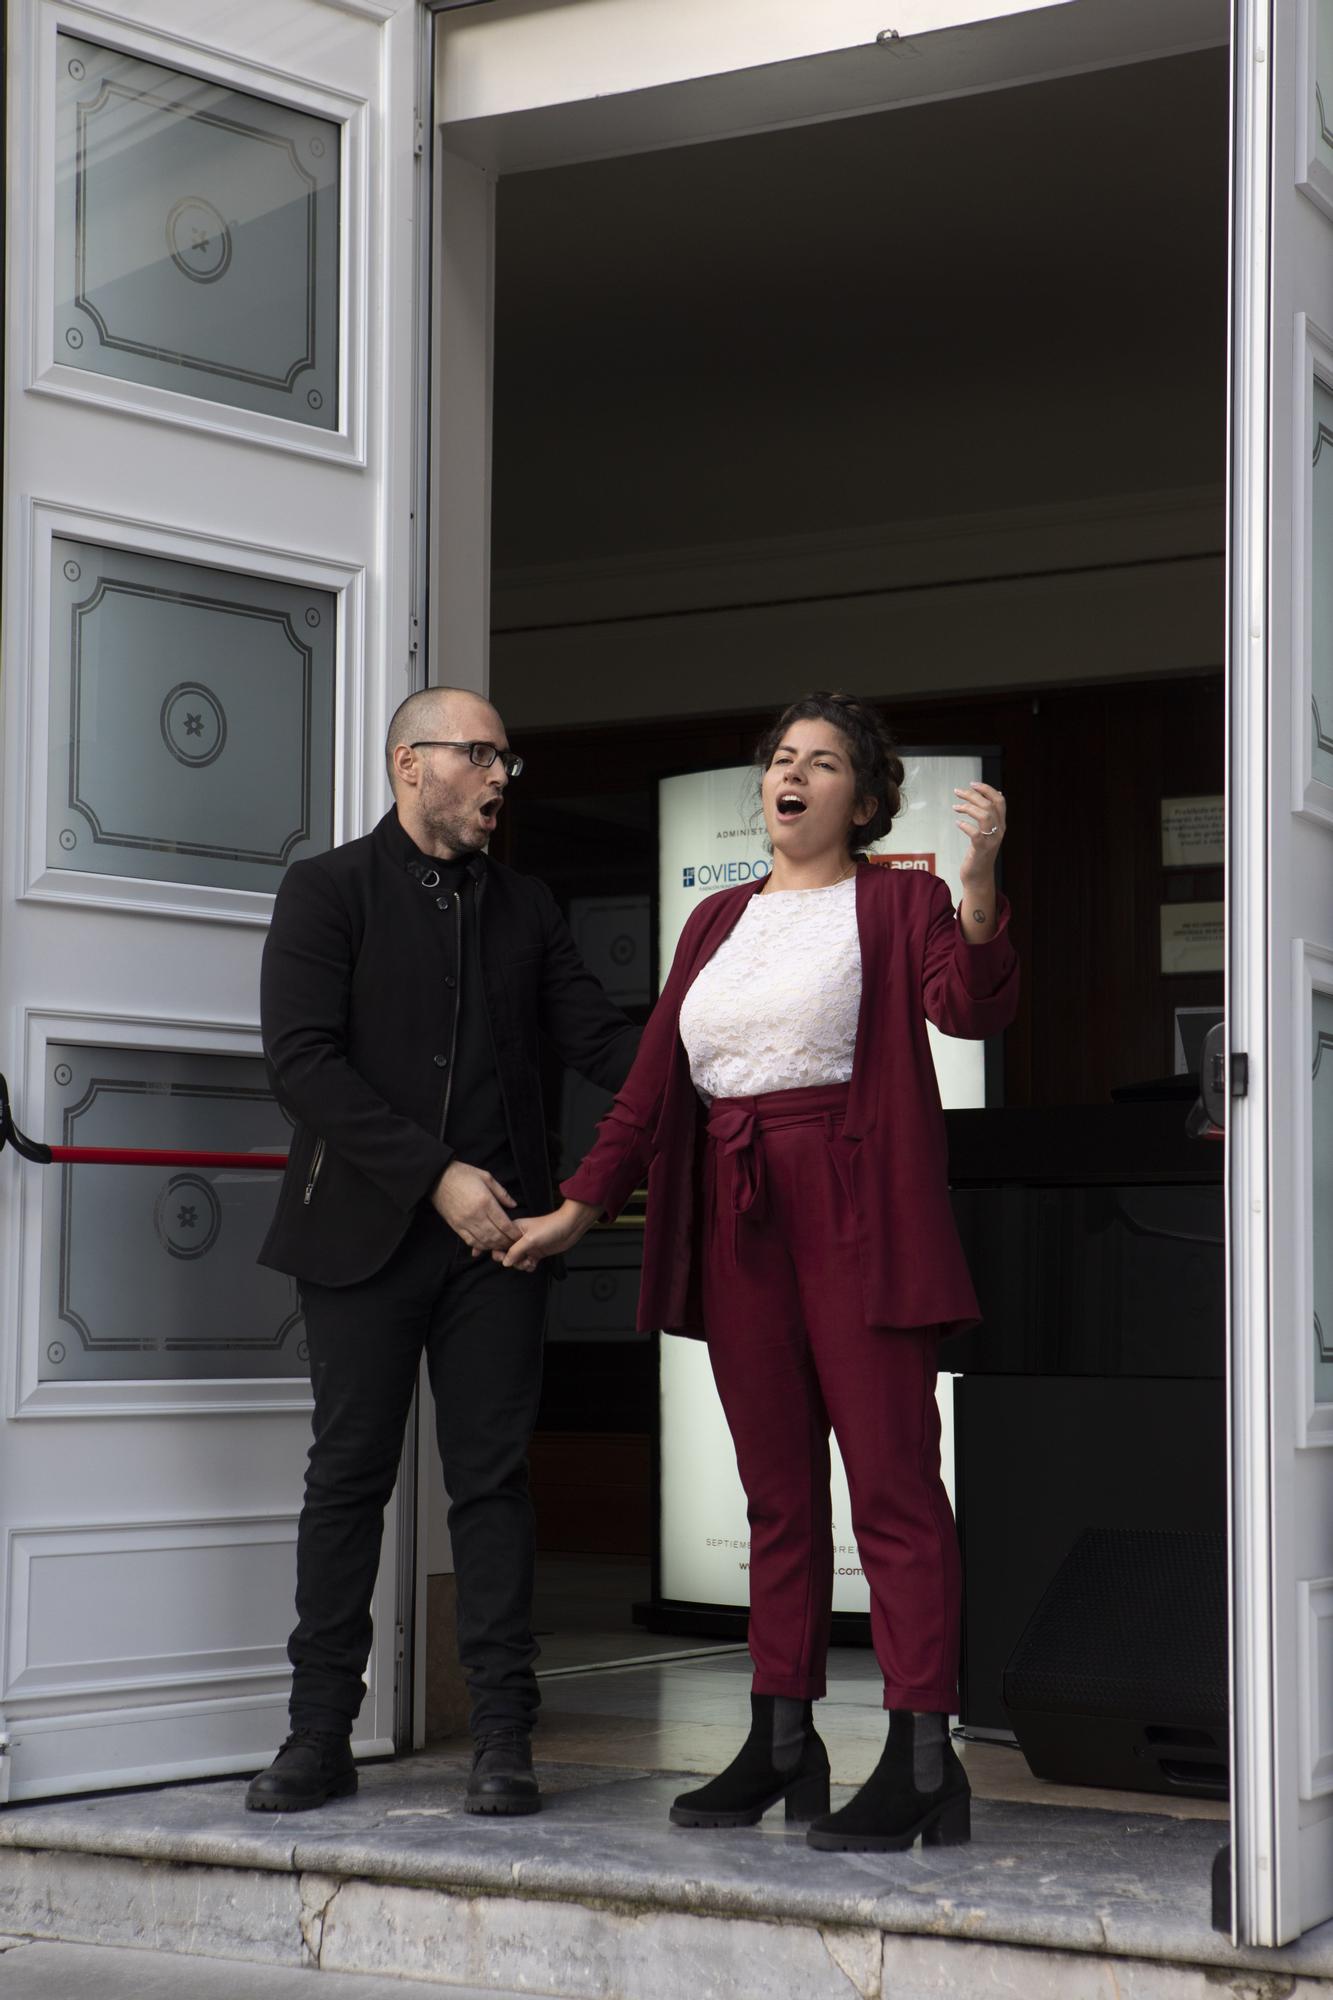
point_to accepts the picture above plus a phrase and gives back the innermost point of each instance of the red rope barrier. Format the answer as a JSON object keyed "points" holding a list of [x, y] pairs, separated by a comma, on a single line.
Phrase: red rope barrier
{"points": [[133, 1156], [42, 1155]]}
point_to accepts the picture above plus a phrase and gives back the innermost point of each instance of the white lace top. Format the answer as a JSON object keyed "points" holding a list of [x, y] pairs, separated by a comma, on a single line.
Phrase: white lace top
{"points": [[775, 1007]]}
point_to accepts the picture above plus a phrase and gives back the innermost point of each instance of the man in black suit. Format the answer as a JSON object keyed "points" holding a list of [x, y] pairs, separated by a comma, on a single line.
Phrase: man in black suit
{"points": [[407, 983]]}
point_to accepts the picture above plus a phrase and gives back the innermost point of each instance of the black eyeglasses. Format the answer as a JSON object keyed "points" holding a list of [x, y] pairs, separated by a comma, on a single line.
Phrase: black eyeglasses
{"points": [[484, 754]]}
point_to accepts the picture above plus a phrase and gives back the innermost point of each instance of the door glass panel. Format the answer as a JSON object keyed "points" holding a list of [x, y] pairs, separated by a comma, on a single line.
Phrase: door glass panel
{"points": [[149, 1273], [196, 236], [191, 728], [1322, 1126], [1322, 584]]}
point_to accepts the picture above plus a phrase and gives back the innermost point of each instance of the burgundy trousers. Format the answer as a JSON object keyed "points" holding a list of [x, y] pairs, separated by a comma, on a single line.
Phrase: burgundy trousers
{"points": [[793, 1356]]}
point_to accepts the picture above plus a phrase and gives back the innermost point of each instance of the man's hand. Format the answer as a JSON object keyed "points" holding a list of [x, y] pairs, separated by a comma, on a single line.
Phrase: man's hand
{"points": [[548, 1235], [470, 1201]]}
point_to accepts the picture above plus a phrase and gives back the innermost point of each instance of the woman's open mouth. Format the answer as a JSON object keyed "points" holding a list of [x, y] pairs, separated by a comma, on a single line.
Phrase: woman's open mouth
{"points": [[790, 805]]}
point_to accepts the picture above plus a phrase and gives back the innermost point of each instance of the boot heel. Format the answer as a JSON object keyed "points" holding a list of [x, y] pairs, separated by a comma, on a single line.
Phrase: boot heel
{"points": [[953, 1827], [808, 1798]]}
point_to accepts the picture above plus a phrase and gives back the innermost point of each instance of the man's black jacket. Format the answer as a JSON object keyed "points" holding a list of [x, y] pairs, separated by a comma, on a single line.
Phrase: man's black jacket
{"points": [[353, 1022]]}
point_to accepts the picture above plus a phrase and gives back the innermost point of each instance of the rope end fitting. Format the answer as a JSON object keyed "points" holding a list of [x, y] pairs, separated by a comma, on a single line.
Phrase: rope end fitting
{"points": [[27, 1149]]}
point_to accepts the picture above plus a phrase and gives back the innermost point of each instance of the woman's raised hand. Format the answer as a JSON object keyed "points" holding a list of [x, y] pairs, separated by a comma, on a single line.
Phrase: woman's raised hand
{"points": [[980, 814], [547, 1235]]}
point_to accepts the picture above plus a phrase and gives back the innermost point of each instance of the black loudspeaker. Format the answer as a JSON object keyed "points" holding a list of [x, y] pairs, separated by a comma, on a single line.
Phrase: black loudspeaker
{"points": [[1120, 1677]]}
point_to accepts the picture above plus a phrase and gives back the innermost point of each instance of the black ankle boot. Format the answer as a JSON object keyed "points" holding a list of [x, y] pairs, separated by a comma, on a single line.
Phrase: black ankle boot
{"points": [[781, 1758], [502, 1779], [917, 1787], [313, 1765]]}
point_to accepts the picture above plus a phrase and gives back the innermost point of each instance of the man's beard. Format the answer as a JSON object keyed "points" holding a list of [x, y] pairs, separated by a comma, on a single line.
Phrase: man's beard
{"points": [[454, 833], [447, 822]]}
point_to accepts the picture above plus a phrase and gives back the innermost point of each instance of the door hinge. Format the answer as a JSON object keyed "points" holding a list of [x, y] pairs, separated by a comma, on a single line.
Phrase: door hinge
{"points": [[419, 139], [1240, 1076]]}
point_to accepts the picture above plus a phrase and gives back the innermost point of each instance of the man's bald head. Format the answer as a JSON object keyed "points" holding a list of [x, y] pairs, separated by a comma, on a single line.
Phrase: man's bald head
{"points": [[446, 714]]}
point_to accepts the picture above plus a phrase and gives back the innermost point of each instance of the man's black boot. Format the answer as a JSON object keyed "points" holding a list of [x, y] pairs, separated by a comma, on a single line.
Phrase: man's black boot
{"points": [[781, 1758], [313, 1765], [502, 1778], [917, 1787]]}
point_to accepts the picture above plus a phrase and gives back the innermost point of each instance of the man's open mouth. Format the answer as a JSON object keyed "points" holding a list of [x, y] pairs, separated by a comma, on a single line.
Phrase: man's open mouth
{"points": [[490, 811], [790, 805]]}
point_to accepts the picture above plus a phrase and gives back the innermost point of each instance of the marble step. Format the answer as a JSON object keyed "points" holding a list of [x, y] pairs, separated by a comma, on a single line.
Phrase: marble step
{"points": [[599, 1898]]}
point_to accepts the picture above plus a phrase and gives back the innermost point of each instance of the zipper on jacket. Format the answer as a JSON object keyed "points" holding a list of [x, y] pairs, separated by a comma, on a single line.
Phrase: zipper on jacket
{"points": [[458, 1008], [316, 1162], [490, 1026]]}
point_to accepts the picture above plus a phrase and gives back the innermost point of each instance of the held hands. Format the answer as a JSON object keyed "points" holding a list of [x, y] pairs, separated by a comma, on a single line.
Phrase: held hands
{"points": [[547, 1236], [473, 1204], [980, 813]]}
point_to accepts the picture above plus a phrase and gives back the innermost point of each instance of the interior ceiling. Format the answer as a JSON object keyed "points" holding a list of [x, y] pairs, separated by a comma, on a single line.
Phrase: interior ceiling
{"points": [[1082, 219]]}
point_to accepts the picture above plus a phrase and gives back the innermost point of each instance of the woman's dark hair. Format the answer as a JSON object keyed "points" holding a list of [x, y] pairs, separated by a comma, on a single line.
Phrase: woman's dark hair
{"points": [[876, 765]]}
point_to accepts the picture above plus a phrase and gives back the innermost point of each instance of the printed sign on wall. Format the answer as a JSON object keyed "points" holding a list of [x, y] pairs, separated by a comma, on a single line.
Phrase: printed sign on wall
{"points": [[1193, 937], [1194, 832]]}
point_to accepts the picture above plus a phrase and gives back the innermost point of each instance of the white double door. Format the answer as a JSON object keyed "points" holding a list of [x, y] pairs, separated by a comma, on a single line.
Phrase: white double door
{"points": [[208, 592]]}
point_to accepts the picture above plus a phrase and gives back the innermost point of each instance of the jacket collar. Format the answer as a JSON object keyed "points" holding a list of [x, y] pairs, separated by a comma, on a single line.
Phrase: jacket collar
{"points": [[405, 853]]}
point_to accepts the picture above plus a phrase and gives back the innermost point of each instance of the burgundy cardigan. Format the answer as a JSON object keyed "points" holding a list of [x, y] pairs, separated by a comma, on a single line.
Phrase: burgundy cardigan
{"points": [[916, 965]]}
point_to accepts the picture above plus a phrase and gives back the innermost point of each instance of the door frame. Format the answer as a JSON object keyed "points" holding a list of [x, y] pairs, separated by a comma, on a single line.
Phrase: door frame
{"points": [[1254, 1768], [472, 153]]}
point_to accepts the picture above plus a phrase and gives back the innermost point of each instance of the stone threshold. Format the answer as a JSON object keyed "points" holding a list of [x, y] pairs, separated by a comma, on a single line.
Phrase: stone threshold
{"points": [[598, 1898]]}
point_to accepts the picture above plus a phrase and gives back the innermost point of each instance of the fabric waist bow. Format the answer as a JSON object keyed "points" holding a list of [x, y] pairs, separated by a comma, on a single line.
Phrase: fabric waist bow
{"points": [[732, 1127]]}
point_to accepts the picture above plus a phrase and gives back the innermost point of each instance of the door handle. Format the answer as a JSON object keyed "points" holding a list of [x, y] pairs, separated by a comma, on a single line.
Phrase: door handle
{"points": [[1213, 1075], [1208, 1114], [1220, 1076]]}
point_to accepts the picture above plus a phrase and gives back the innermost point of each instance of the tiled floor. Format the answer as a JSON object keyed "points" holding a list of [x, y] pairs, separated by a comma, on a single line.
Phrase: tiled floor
{"points": [[583, 1610], [690, 1715]]}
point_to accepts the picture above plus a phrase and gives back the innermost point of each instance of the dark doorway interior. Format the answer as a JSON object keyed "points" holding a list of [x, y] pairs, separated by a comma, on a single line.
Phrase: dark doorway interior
{"points": [[927, 404]]}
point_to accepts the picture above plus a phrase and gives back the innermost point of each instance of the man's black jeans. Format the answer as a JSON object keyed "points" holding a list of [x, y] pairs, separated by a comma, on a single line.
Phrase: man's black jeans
{"points": [[480, 1328]]}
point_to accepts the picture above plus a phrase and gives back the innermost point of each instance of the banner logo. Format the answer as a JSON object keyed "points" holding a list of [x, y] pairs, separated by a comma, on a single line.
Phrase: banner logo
{"points": [[925, 862], [723, 874]]}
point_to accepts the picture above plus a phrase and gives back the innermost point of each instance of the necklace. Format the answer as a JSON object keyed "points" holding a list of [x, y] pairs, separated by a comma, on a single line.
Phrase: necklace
{"points": [[850, 869]]}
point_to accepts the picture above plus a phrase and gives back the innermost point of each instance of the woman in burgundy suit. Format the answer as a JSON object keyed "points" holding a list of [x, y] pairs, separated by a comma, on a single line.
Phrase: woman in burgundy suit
{"points": [[809, 1239]]}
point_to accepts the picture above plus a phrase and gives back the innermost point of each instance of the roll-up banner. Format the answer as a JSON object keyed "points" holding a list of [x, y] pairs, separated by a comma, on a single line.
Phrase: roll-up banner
{"points": [[711, 836]]}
